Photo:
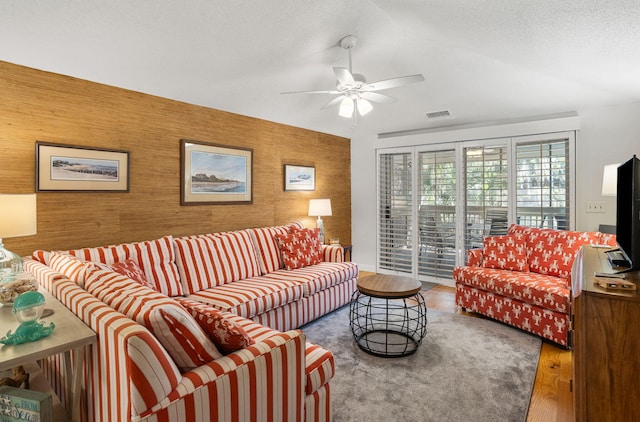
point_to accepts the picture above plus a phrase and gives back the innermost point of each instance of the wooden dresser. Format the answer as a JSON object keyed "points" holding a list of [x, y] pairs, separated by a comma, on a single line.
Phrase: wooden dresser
{"points": [[606, 344]]}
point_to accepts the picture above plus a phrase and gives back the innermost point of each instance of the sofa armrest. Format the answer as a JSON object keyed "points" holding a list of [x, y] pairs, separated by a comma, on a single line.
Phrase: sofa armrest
{"points": [[474, 257], [263, 381], [126, 372], [332, 253]]}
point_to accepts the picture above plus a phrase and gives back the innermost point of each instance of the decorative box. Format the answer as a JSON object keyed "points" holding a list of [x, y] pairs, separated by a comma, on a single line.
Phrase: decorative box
{"points": [[18, 405]]}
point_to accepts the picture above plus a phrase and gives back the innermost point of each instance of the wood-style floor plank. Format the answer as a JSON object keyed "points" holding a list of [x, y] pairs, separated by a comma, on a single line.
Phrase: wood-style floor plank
{"points": [[551, 399]]}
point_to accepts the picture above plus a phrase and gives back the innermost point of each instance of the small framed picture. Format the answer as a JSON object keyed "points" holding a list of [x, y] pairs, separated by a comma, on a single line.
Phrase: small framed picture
{"points": [[76, 168], [215, 174], [299, 178]]}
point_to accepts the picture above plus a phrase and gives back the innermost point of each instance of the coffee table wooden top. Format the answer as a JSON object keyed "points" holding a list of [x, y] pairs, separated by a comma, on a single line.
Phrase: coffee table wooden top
{"points": [[388, 286]]}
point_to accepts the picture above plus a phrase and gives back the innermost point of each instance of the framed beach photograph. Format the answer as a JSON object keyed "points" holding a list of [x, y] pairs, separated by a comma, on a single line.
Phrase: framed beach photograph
{"points": [[215, 174], [68, 168], [298, 178]]}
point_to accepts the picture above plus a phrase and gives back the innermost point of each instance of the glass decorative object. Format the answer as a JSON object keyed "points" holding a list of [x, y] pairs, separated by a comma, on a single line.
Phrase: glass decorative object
{"points": [[18, 219], [27, 309], [320, 208], [19, 283]]}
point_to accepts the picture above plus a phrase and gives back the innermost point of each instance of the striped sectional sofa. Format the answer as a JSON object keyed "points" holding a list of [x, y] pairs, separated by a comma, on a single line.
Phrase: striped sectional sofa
{"points": [[199, 328], [524, 278]]}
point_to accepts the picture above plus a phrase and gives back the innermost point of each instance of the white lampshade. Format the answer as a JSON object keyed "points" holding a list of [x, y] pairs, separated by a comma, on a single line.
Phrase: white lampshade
{"points": [[610, 180], [319, 207], [346, 107], [17, 215], [364, 106]]}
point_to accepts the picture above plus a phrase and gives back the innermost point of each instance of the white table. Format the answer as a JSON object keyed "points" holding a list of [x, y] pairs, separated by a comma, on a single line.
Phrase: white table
{"points": [[70, 333]]}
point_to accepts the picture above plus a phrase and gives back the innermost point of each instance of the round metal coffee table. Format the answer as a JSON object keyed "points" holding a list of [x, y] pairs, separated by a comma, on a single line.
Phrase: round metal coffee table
{"points": [[387, 315]]}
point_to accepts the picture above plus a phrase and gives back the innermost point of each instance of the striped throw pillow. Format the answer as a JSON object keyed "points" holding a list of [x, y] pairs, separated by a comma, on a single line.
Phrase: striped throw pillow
{"points": [[267, 249], [211, 260], [74, 268], [187, 344], [155, 257]]}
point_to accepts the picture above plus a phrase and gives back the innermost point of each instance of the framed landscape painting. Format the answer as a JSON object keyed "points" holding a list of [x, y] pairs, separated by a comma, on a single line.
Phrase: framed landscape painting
{"points": [[76, 168], [215, 174], [298, 178]]}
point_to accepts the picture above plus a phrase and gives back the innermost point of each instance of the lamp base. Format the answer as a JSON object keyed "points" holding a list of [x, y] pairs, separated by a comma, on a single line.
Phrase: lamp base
{"points": [[320, 225], [10, 264]]}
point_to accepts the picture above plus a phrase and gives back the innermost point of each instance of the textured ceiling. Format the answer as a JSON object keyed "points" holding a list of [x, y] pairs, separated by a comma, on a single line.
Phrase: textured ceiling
{"points": [[483, 60]]}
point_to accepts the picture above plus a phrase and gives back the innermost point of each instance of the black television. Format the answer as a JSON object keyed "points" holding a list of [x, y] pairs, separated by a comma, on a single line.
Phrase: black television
{"points": [[628, 213]]}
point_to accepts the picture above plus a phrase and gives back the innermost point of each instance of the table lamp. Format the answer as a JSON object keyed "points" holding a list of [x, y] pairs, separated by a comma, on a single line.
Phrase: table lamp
{"points": [[17, 218], [320, 208], [610, 180]]}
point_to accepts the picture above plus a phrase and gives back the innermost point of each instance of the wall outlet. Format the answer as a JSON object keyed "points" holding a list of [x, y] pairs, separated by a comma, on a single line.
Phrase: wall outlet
{"points": [[596, 207]]}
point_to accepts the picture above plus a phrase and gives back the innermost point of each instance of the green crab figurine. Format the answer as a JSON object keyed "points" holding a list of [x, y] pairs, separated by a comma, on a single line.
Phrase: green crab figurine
{"points": [[27, 309]]}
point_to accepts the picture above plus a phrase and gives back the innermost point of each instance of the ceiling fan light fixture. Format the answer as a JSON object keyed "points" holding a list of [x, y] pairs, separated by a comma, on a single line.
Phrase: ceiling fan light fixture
{"points": [[363, 106], [346, 107], [354, 92]]}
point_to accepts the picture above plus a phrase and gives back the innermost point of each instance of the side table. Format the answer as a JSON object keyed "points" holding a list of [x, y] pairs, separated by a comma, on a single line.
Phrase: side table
{"points": [[70, 334], [348, 249], [388, 315]]}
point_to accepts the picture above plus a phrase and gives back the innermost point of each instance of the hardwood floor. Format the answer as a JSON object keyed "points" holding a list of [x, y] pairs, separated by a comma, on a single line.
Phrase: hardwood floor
{"points": [[551, 400]]}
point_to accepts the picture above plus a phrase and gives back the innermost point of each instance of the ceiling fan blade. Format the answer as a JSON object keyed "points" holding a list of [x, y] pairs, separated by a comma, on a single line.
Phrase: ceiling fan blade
{"points": [[344, 76], [333, 102], [392, 83], [378, 98], [312, 92]]}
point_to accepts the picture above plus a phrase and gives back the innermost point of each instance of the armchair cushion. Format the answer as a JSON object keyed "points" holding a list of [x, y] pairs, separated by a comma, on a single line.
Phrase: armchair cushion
{"points": [[539, 289], [505, 253], [552, 251]]}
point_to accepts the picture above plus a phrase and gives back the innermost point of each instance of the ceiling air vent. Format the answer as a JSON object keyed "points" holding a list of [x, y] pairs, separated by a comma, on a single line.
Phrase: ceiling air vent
{"points": [[438, 114]]}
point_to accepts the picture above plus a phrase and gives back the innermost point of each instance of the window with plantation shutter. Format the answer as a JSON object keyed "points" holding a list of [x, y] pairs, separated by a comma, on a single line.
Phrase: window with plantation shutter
{"points": [[437, 213], [486, 193], [395, 212], [542, 184]]}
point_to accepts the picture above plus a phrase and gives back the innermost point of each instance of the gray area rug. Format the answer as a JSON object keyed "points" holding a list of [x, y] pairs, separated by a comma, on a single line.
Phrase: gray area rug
{"points": [[467, 369]]}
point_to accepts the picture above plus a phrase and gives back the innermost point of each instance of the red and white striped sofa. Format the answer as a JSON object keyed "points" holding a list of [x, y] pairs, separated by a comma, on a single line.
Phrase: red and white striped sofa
{"points": [[524, 278], [153, 362]]}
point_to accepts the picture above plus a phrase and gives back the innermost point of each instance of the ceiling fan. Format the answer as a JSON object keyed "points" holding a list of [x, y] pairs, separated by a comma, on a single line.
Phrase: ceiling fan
{"points": [[354, 93]]}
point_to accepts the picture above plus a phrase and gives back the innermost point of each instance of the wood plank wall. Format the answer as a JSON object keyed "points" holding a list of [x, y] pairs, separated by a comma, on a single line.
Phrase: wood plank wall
{"points": [[42, 106]]}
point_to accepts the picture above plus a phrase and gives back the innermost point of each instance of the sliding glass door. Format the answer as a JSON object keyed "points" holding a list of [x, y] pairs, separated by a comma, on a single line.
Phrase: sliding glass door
{"points": [[435, 202]]}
